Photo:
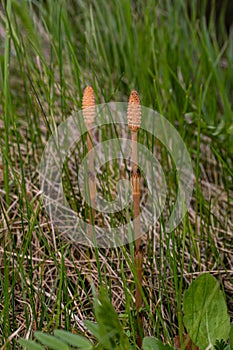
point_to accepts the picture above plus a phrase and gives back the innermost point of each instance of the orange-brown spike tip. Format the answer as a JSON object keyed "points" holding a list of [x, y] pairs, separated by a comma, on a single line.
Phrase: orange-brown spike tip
{"points": [[88, 105], [134, 111]]}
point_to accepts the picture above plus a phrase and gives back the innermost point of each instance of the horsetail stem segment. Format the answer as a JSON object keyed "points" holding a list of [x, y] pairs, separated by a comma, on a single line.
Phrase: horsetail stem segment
{"points": [[134, 122], [89, 110], [135, 182]]}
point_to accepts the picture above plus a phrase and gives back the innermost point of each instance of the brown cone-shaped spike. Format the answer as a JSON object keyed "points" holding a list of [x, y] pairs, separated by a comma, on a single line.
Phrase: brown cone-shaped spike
{"points": [[88, 105], [134, 111]]}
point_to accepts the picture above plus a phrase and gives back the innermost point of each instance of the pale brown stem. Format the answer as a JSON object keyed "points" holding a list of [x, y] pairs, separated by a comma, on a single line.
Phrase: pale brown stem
{"points": [[138, 256], [134, 151], [134, 122], [91, 173], [136, 209], [91, 179]]}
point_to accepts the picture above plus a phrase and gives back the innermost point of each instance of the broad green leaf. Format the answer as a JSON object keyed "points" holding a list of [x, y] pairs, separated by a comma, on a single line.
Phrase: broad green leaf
{"points": [[30, 345], [231, 337], [205, 312], [74, 339], [110, 329], [152, 343], [93, 328], [51, 341]]}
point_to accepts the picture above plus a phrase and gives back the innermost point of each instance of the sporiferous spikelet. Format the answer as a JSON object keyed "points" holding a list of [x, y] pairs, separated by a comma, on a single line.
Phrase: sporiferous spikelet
{"points": [[88, 105], [134, 111]]}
